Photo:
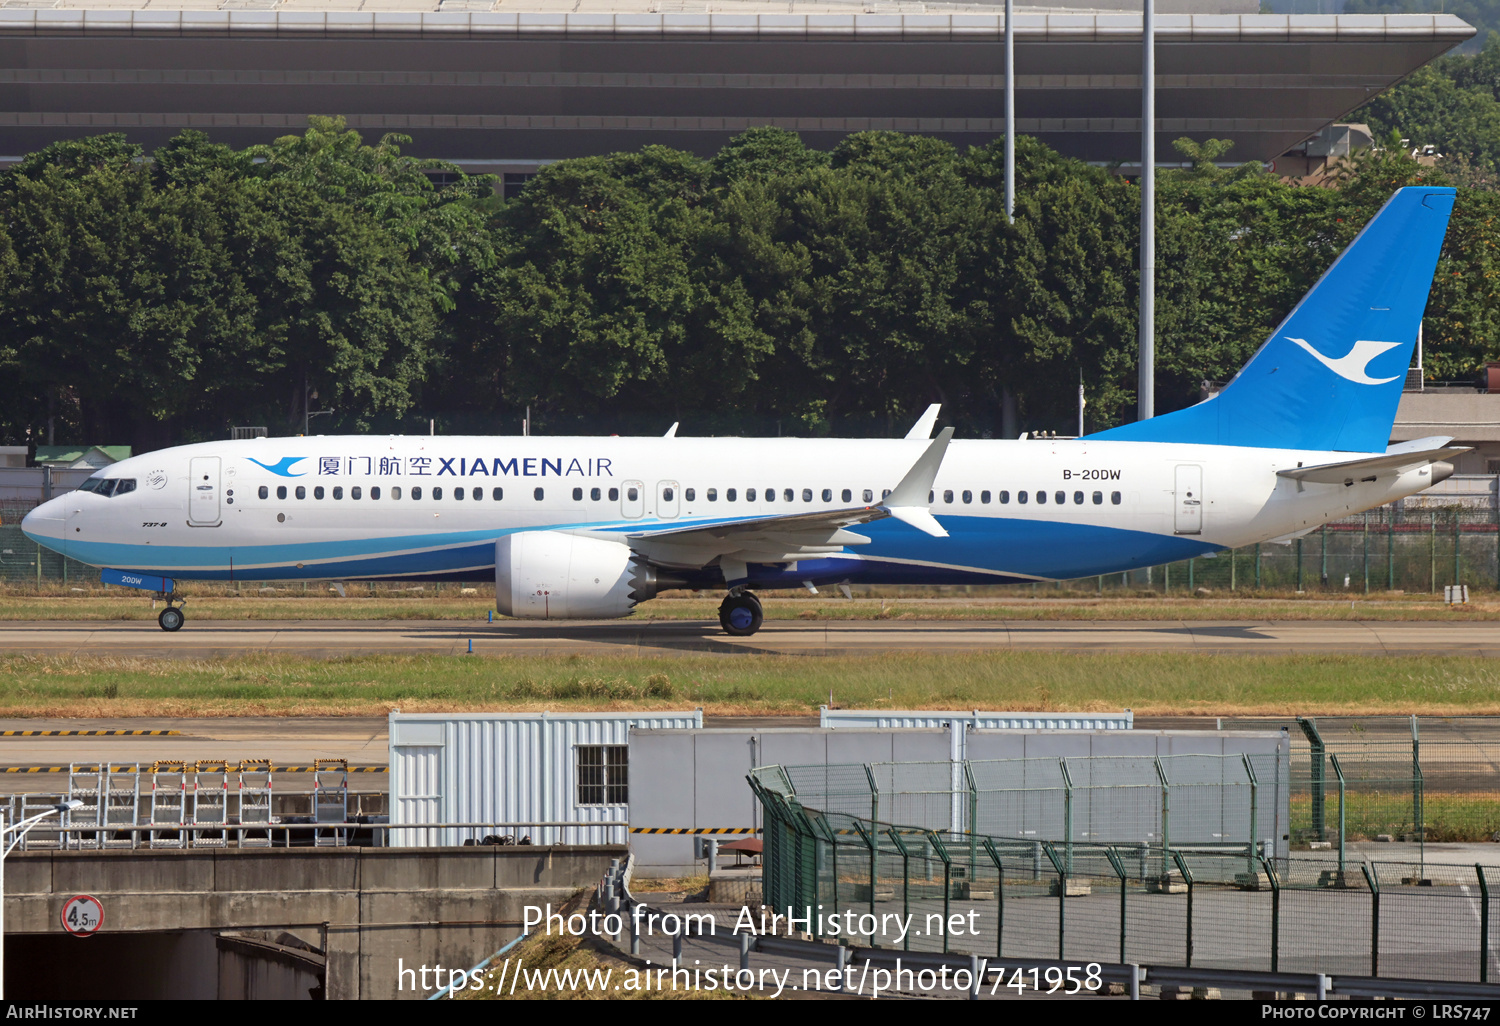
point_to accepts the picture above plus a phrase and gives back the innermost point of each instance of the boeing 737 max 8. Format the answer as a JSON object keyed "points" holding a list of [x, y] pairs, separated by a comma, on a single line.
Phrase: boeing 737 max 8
{"points": [[588, 527]]}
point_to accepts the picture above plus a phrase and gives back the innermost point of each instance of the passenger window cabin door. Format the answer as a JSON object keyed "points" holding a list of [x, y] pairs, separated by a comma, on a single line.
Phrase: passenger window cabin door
{"points": [[1189, 518], [632, 499], [668, 499], [203, 491]]}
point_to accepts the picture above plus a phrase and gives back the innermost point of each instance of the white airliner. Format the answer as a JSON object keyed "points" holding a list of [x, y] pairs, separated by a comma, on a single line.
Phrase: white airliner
{"points": [[588, 527]]}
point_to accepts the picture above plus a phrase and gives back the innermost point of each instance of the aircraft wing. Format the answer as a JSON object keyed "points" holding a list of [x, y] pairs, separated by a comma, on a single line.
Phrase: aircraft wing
{"points": [[783, 538]]}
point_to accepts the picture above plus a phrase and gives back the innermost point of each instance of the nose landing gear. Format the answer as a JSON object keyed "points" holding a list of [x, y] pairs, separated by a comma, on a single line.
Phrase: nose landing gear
{"points": [[741, 615]]}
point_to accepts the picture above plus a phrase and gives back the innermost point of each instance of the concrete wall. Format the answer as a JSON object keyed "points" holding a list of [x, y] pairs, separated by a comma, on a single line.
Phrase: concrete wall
{"points": [[368, 911]]}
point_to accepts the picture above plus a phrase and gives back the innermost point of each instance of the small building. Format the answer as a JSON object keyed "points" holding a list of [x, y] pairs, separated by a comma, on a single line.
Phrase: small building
{"points": [[80, 457], [556, 778]]}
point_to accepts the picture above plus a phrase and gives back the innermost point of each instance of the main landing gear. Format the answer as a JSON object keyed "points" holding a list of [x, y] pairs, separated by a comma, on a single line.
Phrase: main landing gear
{"points": [[172, 618], [740, 614]]}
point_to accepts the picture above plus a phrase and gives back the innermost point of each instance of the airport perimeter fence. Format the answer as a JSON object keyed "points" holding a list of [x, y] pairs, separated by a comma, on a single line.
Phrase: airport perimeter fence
{"points": [[1391, 778], [1125, 902]]}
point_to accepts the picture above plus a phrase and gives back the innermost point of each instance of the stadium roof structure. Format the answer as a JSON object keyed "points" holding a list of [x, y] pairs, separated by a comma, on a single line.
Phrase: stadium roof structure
{"points": [[501, 85]]}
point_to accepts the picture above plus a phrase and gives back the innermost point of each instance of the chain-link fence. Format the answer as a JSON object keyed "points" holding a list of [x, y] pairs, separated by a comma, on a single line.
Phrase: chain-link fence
{"points": [[837, 874], [1202, 801], [1385, 549], [1390, 778]]}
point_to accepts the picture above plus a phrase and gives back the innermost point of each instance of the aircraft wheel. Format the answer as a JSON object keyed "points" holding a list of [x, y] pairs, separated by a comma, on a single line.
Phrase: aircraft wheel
{"points": [[171, 619], [741, 615]]}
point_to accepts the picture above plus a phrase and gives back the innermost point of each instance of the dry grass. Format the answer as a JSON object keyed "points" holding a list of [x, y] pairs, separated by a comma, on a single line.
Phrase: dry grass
{"points": [[751, 684], [216, 603]]}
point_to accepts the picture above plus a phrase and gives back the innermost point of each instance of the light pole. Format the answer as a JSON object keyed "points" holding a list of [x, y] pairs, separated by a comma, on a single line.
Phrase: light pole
{"points": [[309, 394], [16, 831], [1010, 110], [1146, 380]]}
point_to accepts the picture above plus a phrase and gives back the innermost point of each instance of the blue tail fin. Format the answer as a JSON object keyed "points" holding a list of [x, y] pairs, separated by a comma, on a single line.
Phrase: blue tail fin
{"points": [[1331, 375]]}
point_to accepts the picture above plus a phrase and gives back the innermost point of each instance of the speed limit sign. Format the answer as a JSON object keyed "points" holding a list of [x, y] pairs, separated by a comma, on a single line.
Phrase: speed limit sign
{"points": [[83, 915]]}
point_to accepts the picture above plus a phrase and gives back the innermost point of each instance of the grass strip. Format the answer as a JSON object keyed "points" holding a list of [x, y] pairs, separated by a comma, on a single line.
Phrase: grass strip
{"points": [[750, 684]]}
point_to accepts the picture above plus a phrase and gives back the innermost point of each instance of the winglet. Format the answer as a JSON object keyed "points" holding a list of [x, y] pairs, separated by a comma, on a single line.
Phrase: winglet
{"points": [[925, 423], [908, 502], [672, 431]]}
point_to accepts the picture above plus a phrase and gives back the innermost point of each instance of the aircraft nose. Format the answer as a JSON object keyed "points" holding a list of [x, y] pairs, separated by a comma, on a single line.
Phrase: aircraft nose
{"points": [[44, 523]]}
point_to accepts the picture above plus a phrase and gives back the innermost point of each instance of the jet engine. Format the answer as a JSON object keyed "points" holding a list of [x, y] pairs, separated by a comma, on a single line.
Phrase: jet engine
{"points": [[551, 575]]}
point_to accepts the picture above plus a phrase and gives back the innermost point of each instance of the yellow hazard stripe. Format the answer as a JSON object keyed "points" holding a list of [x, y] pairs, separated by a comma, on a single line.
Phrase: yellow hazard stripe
{"points": [[207, 766], [694, 830], [90, 733]]}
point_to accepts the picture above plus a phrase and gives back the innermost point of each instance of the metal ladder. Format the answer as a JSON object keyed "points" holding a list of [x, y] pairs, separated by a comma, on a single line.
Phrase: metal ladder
{"points": [[169, 780], [330, 801], [46, 833], [88, 783], [122, 805], [254, 789], [210, 794]]}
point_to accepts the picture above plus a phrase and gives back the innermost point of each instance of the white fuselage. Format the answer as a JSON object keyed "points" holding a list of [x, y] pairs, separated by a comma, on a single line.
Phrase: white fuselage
{"points": [[348, 507]]}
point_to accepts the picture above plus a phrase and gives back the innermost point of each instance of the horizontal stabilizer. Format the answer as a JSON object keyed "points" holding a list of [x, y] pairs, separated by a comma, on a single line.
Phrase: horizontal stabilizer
{"points": [[1390, 464]]}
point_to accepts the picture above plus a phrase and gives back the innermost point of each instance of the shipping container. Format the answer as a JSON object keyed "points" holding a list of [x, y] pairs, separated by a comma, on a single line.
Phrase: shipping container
{"points": [[516, 775], [868, 719]]}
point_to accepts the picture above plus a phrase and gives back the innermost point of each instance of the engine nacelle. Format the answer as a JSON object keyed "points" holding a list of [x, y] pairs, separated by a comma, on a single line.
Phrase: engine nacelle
{"points": [[550, 575]]}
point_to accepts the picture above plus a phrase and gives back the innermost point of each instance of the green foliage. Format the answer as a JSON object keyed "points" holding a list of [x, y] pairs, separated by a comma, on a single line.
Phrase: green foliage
{"points": [[770, 287]]}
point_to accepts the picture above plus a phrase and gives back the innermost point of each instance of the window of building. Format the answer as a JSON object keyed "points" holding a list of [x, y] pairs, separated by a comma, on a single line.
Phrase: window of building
{"points": [[1114, 497], [603, 774], [281, 491], [263, 492], [514, 182]]}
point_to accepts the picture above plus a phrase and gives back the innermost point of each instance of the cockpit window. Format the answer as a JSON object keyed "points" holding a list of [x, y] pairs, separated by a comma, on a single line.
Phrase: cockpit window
{"points": [[108, 486]]}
